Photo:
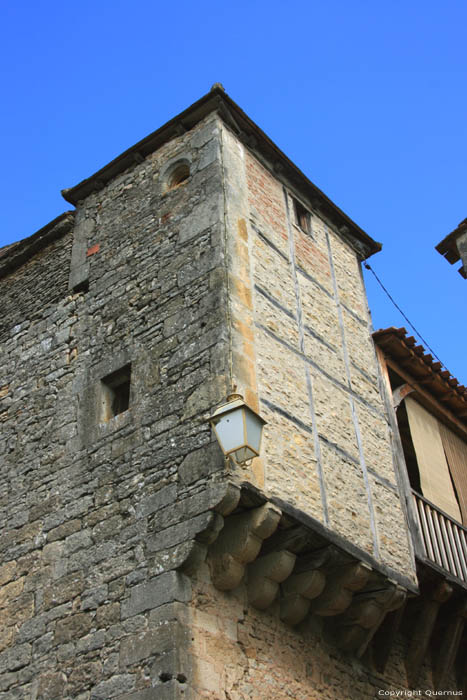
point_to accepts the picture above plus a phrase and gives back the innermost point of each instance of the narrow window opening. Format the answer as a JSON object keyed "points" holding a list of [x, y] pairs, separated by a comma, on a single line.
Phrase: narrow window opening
{"points": [[302, 217], [408, 448], [405, 435], [115, 393]]}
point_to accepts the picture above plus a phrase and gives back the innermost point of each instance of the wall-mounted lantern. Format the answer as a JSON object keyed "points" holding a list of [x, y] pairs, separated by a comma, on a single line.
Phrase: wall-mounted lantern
{"points": [[238, 429]]}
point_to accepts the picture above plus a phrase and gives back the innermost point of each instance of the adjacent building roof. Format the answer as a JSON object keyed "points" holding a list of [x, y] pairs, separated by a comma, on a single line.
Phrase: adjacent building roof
{"points": [[448, 246], [426, 371]]}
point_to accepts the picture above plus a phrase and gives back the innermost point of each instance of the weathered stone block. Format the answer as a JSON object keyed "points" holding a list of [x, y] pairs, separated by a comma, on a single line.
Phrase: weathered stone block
{"points": [[73, 627], [151, 504], [62, 590], [15, 658], [51, 685], [111, 688], [165, 588]]}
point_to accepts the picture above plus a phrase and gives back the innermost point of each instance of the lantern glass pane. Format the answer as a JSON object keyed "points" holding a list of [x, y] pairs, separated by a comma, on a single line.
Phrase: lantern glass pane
{"points": [[253, 430], [243, 454], [230, 430]]}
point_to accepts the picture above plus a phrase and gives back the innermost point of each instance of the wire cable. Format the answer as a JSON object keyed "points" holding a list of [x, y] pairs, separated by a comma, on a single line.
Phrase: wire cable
{"points": [[367, 266]]}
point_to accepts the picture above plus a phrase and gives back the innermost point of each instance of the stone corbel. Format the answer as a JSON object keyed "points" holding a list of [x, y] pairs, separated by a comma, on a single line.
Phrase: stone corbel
{"points": [[343, 581], [298, 592], [239, 543], [265, 575], [192, 554]]}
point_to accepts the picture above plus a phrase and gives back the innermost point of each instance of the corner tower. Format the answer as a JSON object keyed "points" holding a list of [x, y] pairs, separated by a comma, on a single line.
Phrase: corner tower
{"points": [[138, 563]]}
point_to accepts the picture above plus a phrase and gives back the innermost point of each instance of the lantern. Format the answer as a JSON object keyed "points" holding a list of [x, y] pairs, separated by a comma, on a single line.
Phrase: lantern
{"points": [[238, 429]]}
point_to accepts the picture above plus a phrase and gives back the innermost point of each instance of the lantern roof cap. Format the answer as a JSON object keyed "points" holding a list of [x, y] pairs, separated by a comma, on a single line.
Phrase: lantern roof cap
{"points": [[234, 401]]}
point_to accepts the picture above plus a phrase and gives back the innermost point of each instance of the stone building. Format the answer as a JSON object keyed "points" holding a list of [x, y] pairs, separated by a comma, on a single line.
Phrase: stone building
{"points": [[136, 561]]}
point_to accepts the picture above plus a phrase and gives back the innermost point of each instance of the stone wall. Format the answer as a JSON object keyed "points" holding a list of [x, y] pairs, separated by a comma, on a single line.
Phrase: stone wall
{"points": [[243, 653], [90, 536]]}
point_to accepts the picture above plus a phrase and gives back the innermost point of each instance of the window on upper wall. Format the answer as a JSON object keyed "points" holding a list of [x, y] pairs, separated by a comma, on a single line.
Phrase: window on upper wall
{"points": [[115, 393], [302, 216], [178, 175]]}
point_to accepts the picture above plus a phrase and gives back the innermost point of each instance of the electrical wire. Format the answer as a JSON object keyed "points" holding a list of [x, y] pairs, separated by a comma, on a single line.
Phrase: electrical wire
{"points": [[367, 266]]}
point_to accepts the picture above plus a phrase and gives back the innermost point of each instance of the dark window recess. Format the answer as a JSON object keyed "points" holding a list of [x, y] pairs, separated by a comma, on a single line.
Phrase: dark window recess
{"points": [[404, 432], [302, 217], [115, 393], [178, 176], [408, 448]]}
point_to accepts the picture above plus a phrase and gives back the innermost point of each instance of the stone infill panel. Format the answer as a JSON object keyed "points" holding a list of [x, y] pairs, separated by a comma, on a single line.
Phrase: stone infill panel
{"points": [[327, 445]]}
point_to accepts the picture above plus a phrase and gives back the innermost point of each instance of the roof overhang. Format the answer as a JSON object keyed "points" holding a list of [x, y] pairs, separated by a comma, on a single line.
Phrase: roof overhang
{"points": [[217, 101]]}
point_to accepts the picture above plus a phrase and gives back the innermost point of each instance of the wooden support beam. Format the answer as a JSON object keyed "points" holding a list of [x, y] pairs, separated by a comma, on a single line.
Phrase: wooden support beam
{"points": [[450, 645], [326, 557], [400, 393], [294, 539], [402, 476], [365, 615], [383, 639], [422, 631]]}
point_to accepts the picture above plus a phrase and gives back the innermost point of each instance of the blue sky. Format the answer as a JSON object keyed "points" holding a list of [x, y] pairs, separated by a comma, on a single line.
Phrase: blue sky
{"points": [[369, 99]]}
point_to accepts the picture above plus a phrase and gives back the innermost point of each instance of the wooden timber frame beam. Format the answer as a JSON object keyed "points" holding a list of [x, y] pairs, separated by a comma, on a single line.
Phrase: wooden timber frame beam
{"points": [[450, 644], [423, 630], [416, 540]]}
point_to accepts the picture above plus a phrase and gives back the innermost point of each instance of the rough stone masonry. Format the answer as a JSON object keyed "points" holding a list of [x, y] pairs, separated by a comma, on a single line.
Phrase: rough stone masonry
{"points": [[182, 272]]}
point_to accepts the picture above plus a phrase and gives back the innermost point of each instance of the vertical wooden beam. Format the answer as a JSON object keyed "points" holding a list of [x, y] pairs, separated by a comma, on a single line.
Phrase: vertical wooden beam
{"points": [[450, 645], [423, 630], [384, 638], [402, 476]]}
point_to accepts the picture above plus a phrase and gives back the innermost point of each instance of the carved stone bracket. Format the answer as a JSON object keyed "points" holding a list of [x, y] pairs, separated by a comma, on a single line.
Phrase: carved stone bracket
{"points": [[205, 529], [239, 543], [265, 575], [298, 592]]}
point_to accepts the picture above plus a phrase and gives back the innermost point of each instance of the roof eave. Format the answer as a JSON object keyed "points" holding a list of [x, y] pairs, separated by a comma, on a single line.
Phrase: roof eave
{"points": [[390, 340], [448, 246], [17, 253], [253, 137]]}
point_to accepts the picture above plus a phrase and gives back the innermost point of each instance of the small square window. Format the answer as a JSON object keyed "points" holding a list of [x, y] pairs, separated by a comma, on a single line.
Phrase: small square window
{"points": [[115, 393], [302, 217]]}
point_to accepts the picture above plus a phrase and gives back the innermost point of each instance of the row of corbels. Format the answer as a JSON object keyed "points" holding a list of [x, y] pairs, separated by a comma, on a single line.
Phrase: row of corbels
{"points": [[247, 547]]}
